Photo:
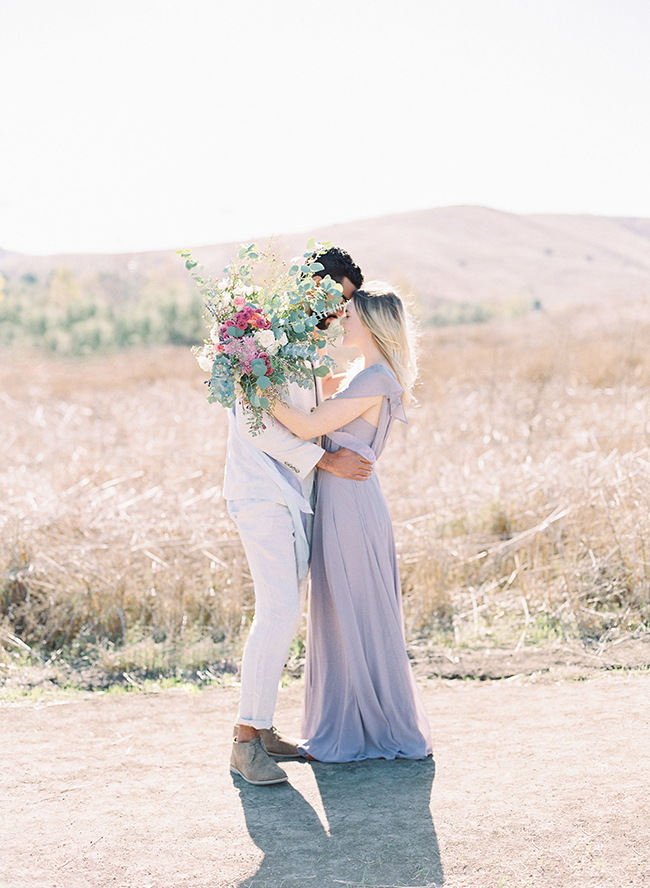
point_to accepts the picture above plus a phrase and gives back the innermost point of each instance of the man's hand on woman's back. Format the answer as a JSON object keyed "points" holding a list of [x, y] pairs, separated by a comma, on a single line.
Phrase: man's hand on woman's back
{"points": [[346, 464]]}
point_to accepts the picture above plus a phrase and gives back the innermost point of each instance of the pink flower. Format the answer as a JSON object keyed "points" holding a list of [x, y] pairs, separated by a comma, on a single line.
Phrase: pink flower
{"points": [[261, 322], [244, 350]]}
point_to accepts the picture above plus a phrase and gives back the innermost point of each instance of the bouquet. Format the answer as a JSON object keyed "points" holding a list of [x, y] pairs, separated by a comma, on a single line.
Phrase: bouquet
{"points": [[262, 318]]}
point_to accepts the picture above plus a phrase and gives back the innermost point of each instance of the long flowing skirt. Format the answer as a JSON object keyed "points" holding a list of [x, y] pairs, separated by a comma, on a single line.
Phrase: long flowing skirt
{"points": [[361, 699]]}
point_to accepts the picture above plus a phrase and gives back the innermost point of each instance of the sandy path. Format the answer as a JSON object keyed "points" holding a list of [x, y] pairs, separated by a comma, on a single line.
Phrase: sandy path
{"points": [[533, 784]]}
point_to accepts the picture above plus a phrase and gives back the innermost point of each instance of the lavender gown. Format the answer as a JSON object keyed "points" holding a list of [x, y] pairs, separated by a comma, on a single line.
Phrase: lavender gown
{"points": [[361, 700]]}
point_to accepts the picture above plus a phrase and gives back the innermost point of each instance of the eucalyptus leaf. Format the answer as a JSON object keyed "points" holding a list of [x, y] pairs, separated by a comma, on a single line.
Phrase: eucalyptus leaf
{"points": [[331, 286], [263, 382], [321, 371], [258, 367]]}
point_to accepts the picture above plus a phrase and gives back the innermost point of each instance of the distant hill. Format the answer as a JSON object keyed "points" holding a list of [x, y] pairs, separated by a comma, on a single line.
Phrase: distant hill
{"points": [[458, 254]]}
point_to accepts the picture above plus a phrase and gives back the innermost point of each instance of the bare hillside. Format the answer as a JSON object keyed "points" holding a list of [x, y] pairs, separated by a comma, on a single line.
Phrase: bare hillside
{"points": [[480, 254], [472, 254]]}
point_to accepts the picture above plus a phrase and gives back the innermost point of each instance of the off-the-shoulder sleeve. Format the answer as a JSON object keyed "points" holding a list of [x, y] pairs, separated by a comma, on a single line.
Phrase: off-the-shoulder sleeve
{"points": [[377, 380]]}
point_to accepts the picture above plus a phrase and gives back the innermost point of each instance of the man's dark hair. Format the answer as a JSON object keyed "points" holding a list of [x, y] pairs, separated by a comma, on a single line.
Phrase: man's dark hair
{"points": [[338, 264]]}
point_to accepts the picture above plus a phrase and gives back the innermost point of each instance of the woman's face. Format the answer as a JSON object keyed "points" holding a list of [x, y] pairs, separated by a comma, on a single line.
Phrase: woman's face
{"points": [[354, 330]]}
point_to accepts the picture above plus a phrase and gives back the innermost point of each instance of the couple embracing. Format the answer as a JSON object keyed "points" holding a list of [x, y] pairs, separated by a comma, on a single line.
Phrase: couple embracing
{"points": [[361, 700]]}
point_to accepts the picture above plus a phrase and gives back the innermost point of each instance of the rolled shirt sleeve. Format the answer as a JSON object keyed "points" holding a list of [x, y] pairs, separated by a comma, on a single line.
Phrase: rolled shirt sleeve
{"points": [[299, 456]]}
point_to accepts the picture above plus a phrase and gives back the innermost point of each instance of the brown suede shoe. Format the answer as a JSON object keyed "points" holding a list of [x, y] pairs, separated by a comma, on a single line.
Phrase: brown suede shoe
{"points": [[251, 761], [275, 743]]}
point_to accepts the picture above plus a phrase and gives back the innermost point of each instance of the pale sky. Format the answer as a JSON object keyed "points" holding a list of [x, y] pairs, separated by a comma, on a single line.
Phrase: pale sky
{"points": [[158, 124]]}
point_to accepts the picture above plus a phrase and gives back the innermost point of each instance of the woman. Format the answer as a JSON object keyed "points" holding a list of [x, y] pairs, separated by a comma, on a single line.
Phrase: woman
{"points": [[361, 700]]}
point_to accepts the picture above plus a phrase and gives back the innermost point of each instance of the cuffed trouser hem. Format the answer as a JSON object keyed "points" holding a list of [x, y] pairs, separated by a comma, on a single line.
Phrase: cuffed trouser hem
{"points": [[254, 723]]}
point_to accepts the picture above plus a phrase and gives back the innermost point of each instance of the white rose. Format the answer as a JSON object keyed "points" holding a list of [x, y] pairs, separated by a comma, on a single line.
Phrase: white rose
{"points": [[214, 333], [277, 344], [204, 363], [265, 338]]}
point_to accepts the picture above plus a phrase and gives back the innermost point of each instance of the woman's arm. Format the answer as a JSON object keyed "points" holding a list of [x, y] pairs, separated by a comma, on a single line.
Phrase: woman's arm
{"points": [[325, 418], [330, 384]]}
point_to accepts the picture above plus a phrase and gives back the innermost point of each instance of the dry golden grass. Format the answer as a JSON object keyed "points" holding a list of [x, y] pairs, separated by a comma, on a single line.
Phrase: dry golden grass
{"points": [[520, 493]]}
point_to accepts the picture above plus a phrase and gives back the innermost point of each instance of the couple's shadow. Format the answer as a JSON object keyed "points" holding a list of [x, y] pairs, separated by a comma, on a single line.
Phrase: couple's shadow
{"points": [[380, 828]]}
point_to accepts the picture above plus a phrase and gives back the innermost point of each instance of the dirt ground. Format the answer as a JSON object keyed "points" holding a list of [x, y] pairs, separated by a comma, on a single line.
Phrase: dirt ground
{"points": [[540, 778]]}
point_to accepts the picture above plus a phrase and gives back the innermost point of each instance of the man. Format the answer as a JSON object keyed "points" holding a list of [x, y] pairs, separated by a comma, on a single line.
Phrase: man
{"points": [[341, 268], [268, 486]]}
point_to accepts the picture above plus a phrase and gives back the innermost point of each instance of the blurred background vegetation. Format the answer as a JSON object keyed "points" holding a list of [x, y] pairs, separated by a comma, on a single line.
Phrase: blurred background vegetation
{"points": [[68, 314]]}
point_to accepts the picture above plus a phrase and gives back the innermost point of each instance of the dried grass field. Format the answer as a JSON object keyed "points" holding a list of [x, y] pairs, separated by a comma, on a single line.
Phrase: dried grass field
{"points": [[520, 494]]}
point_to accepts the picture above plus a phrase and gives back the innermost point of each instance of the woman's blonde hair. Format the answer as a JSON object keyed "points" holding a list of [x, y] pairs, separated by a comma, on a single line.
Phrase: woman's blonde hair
{"points": [[382, 311]]}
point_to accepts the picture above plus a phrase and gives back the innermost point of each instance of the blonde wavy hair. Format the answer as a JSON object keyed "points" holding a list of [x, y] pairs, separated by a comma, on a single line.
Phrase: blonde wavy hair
{"points": [[382, 311]]}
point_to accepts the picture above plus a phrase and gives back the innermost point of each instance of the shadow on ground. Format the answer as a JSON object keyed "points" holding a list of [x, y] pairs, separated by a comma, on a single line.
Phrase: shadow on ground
{"points": [[379, 827]]}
